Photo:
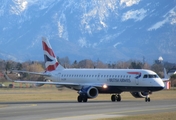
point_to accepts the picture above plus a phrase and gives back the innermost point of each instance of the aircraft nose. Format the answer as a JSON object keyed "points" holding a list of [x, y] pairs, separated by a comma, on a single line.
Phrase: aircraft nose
{"points": [[161, 83]]}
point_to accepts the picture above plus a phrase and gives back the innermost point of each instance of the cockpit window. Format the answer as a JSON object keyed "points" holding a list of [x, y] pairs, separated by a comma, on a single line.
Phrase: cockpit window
{"points": [[150, 76]]}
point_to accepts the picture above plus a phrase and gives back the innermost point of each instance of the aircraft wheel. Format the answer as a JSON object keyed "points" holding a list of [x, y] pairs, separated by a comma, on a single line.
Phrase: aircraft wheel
{"points": [[84, 99], [118, 98], [80, 98], [113, 98], [148, 99]]}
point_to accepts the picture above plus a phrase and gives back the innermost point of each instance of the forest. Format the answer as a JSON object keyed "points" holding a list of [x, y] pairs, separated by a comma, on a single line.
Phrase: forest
{"points": [[38, 66]]}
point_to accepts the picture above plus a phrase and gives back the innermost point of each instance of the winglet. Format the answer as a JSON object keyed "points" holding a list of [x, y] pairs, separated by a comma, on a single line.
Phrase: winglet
{"points": [[165, 73], [166, 78]]}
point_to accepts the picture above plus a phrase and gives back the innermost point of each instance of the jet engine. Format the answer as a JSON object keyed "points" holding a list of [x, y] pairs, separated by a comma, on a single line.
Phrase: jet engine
{"points": [[139, 94], [90, 92]]}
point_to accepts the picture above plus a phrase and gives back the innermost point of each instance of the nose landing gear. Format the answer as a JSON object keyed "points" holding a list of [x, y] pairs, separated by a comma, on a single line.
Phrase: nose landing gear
{"points": [[147, 98]]}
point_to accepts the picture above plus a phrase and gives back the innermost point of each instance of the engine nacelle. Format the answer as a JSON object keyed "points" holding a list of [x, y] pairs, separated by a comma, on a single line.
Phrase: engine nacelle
{"points": [[38, 85], [59, 86], [90, 91], [139, 94]]}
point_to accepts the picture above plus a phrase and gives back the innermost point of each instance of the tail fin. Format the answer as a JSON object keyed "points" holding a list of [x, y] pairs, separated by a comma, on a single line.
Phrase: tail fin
{"points": [[51, 62]]}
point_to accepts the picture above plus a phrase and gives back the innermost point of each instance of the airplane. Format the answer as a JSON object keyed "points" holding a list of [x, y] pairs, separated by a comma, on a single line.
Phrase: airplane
{"points": [[90, 82]]}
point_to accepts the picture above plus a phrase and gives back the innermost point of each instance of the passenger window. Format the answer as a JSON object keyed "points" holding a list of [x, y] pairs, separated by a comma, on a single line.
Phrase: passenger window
{"points": [[145, 76]]}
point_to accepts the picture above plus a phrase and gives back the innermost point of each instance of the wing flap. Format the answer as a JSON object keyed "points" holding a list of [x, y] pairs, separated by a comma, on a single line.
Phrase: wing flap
{"points": [[35, 73], [50, 83]]}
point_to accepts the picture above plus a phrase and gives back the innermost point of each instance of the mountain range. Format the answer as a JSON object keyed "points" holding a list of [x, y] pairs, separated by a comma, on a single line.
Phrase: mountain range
{"points": [[106, 30]]}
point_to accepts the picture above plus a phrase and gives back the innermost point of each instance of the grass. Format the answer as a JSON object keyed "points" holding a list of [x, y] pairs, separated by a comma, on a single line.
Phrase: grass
{"points": [[51, 93], [157, 116]]}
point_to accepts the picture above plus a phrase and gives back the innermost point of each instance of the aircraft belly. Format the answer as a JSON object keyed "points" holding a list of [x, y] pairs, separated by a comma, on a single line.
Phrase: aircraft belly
{"points": [[119, 89]]}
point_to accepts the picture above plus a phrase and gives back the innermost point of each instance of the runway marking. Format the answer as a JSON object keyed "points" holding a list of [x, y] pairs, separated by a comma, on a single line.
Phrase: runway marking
{"points": [[1, 106], [87, 117], [22, 106], [107, 115]]}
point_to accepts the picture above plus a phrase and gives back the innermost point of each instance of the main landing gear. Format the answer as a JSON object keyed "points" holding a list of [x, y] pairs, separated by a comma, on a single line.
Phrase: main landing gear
{"points": [[82, 98], [115, 98]]}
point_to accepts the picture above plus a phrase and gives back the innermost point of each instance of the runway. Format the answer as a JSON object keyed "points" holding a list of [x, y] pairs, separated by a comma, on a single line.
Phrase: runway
{"points": [[64, 110]]}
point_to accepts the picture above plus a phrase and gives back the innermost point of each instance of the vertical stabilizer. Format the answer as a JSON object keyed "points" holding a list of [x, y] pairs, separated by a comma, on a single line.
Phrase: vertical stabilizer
{"points": [[51, 62]]}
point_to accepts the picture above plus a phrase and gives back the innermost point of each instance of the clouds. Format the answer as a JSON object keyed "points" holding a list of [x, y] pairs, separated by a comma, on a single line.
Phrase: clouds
{"points": [[136, 15]]}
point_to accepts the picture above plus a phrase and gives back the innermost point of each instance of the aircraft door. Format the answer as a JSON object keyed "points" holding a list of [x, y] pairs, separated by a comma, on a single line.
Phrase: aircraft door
{"points": [[98, 77], [137, 81], [59, 77]]}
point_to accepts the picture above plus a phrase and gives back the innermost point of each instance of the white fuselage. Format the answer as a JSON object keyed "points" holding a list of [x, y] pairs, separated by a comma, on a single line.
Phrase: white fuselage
{"points": [[117, 80]]}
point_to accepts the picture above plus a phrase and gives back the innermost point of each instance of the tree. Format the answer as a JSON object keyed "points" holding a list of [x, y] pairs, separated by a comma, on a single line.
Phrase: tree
{"points": [[65, 62], [86, 64], [75, 64], [136, 65]]}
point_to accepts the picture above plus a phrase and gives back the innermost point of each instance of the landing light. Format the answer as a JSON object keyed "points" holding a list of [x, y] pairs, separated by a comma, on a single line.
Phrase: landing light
{"points": [[105, 86]]}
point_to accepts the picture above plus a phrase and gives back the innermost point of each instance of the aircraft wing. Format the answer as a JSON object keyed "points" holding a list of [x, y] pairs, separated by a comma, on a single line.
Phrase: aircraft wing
{"points": [[50, 83], [165, 79], [53, 83], [35, 73], [60, 83]]}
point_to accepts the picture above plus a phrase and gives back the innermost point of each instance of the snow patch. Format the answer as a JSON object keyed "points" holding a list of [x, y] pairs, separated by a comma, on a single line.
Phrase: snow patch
{"points": [[129, 3], [82, 42], [137, 15], [115, 45]]}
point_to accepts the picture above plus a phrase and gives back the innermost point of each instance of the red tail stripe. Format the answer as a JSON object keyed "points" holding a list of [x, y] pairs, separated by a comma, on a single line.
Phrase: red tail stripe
{"points": [[52, 67], [133, 72], [50, 51]]}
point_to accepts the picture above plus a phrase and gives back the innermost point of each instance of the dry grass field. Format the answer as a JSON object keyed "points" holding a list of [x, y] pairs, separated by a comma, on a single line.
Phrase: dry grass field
{"points": [[158, 116]]}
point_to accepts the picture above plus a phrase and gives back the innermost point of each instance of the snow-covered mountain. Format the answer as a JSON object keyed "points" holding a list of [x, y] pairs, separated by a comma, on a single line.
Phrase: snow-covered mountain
{"points": [[108, 30]]}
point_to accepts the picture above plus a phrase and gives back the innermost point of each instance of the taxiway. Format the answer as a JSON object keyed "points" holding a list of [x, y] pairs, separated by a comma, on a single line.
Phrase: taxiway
{"points": [[64, 110]]}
